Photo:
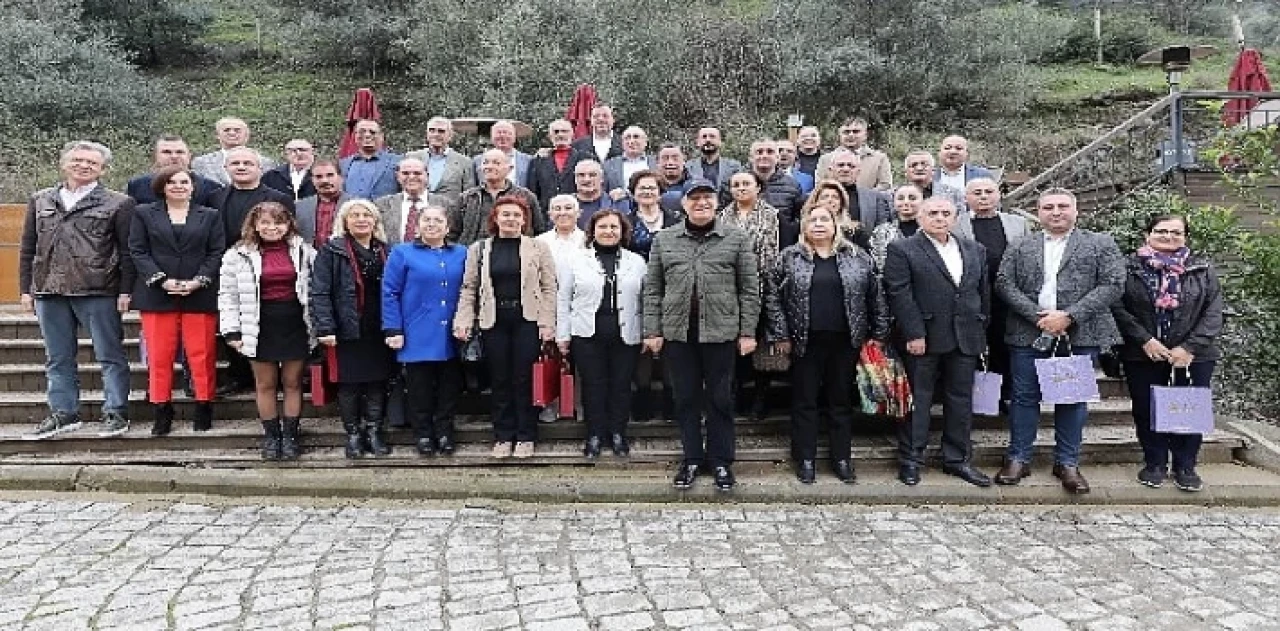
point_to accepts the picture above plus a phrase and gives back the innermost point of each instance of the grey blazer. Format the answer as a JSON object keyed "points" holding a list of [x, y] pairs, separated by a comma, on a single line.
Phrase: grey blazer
{"points": [[306, 215], [613, 172], [1090, 280], [728, 166], [390, 206], [874, 207], [1015, 226], [458, 172]]}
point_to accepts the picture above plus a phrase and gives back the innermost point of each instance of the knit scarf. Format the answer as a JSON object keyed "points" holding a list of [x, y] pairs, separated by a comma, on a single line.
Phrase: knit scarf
{"points": [[1163, 274]]}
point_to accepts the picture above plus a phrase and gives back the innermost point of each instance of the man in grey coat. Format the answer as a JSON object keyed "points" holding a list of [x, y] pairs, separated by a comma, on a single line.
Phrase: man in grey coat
{"points": [[448, 172], [940, 297], [701, 304], [400, 211], [1059, 287], [316, 214]]}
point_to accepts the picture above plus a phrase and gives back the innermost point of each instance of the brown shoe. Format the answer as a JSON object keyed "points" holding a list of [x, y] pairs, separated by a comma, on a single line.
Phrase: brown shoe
{"points": [[1012, 473], [1072, 481]]}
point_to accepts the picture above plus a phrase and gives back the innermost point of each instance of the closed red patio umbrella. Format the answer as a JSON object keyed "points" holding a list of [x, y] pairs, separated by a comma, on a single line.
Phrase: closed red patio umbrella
{"points": [[579, 112], [364, 106], [1248, 75]]}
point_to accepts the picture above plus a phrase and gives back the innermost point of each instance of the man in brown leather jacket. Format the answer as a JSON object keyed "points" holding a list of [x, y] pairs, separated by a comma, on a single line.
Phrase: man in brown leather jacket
{"points": [[75, 270]]}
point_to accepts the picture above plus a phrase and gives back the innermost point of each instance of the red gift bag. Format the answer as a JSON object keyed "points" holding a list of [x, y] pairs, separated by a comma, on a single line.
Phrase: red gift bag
{"points": [[566, 391], [546, 376], [324, 378]]}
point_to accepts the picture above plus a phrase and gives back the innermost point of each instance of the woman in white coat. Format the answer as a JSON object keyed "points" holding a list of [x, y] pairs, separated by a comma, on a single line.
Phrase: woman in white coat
{"points": [[598, 320]]}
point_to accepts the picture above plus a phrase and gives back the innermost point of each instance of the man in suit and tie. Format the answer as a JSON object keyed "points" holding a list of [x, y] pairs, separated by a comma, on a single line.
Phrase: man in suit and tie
{"points": [[316, 213], [293, 178], [503, 137], [1059, 286], [940, 297], [870, 206], [370, 173], [232, 133], [603, 143], [448, 172], [170, 150], [712, 165], [619, 169], [233, 204], [954, 169], [552, 174], [400, 211]]}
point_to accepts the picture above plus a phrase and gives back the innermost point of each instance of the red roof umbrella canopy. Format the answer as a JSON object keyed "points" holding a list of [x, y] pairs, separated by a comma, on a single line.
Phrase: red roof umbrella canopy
{"points": [[363, 106], [1248, 75], [579, 112]]}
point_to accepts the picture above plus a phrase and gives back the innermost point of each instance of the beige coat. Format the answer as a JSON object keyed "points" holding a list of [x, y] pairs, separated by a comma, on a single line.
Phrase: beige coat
{"points": [[874, 171], [537, 285]]}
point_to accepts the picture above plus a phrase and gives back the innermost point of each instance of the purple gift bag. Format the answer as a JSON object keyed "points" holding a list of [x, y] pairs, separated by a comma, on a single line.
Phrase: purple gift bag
{"points": [[986, 392], [1181, 409], [1065, 380]]}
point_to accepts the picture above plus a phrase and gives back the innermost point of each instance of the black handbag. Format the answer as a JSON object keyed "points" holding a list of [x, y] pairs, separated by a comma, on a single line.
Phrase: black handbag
{"points": [[472, 350]]}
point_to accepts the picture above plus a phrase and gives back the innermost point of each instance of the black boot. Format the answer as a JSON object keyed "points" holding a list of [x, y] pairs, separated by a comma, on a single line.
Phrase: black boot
{"points": [[374, 424], [349, 409], [289, 448], [164, 419], [271, 439], [204, 417]]}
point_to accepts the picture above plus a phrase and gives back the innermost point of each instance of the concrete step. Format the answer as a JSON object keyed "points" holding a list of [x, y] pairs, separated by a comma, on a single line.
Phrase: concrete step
{"points": [[18, 325], [28, 407], [32, 351], [235, 444]]}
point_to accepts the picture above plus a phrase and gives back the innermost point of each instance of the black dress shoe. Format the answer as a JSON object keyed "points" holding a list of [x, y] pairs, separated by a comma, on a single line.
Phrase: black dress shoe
{"points": [[724, 479], [909, 474], [844, 471], [444, 445], [591, 449], [685, 476], [1071, 479], [806, 472], [620, 446], [425, 447], [969, 474]]}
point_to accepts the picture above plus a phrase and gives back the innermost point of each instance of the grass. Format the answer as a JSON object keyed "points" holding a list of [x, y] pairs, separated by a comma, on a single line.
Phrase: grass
{"points": [[1068, 85]]}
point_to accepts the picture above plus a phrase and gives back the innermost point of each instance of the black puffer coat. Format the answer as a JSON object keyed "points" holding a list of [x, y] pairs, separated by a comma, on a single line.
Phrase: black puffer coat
{"points": [[338, 291]]}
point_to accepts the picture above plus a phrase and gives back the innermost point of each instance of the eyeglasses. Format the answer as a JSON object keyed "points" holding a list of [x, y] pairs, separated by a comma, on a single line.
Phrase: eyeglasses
{"points": [[297, 149], [1168, 233]]}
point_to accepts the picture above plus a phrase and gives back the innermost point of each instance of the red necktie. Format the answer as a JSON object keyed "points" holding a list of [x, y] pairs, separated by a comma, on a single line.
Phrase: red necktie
{"points": [[411, 223]]}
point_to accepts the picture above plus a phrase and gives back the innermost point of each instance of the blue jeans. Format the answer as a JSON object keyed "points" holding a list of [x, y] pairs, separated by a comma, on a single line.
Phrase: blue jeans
{"points": [[59, 318], [1024, 410]]}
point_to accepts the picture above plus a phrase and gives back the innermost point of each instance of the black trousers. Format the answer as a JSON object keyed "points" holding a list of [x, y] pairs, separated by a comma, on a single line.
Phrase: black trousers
{"points": [[1157, 446], [510, 348], [604, 368], [825, 369], [702, 372], [997, 350], [645, 403], [956, 372], [362, 404], [432, 397]]}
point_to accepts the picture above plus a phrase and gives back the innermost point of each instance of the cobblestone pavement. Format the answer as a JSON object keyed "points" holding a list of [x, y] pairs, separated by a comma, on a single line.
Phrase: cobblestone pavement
{"points": [[80, 563]]}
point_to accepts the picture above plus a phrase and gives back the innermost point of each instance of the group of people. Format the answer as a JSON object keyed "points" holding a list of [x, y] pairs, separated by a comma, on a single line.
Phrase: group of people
{"points": [[706, 276]]}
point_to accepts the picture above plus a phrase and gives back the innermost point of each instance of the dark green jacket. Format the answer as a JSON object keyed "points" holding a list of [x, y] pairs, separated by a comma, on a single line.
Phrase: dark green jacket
{"points": [[724, 270]]}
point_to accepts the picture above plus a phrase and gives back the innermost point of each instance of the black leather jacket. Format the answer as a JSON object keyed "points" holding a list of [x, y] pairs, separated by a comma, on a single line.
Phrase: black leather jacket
{"points": [[82, 251], [787, 304]]}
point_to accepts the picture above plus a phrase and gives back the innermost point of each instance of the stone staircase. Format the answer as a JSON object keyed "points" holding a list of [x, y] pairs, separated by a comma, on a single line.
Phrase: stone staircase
{"points": [[233, 442]]}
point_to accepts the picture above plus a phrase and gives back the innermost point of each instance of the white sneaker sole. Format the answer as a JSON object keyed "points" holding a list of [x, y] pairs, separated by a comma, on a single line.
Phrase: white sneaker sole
{"points": [[113, 432], [51, 434]]}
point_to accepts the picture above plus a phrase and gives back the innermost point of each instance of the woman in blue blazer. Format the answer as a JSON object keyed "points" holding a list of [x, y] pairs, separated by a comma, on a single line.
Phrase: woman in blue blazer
{"points": [[420, 289]]}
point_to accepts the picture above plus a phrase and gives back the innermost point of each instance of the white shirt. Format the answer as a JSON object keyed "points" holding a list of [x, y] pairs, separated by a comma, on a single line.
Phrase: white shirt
{"points": [[297, 177], [954, 180], [602, 146], [404, 211], [562, 247], [1054, 248], [631, 166], [950, 253], [70, 198]]}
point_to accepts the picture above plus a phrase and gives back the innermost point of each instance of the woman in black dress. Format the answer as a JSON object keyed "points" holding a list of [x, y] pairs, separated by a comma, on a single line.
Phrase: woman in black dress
{"points": [[346, 311]]}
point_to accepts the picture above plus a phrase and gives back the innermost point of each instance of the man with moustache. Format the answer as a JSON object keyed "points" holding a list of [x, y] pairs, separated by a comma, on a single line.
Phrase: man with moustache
{"points": [[712, 166], [780, 190], [603, 143], [170, 150], [316, 214], [701, 308], [294, 176], [940, 298], [553, 174]]}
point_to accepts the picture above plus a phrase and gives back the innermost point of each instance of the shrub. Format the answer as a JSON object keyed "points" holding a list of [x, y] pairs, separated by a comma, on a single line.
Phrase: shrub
{"points": [[1125, 37], [153, 32]]}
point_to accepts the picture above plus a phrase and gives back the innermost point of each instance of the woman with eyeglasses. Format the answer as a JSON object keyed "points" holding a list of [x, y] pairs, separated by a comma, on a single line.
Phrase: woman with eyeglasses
{"points": [[648, 217], [1170, 317]]}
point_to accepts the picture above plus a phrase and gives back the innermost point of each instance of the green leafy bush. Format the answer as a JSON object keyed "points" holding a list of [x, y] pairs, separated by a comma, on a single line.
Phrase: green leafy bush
{"points": [[1126, 36], [153, 32]]}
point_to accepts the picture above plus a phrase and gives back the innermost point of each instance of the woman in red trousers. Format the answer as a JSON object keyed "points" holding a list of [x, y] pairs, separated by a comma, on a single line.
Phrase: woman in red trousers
{"points": [[177, 248]]}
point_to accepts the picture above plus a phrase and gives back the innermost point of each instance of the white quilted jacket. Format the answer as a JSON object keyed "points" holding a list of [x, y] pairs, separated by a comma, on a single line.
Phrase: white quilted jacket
{"points": [[238, 291]]}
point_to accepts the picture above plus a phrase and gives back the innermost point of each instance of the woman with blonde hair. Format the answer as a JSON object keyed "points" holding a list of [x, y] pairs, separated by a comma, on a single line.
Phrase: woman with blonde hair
{"points": [[346, 311], [262, 313], [831, 195], [824, 301]]}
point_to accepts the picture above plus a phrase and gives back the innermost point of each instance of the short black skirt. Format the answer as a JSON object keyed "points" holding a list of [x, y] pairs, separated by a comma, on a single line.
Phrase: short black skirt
{"points": [[282, 332]]}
